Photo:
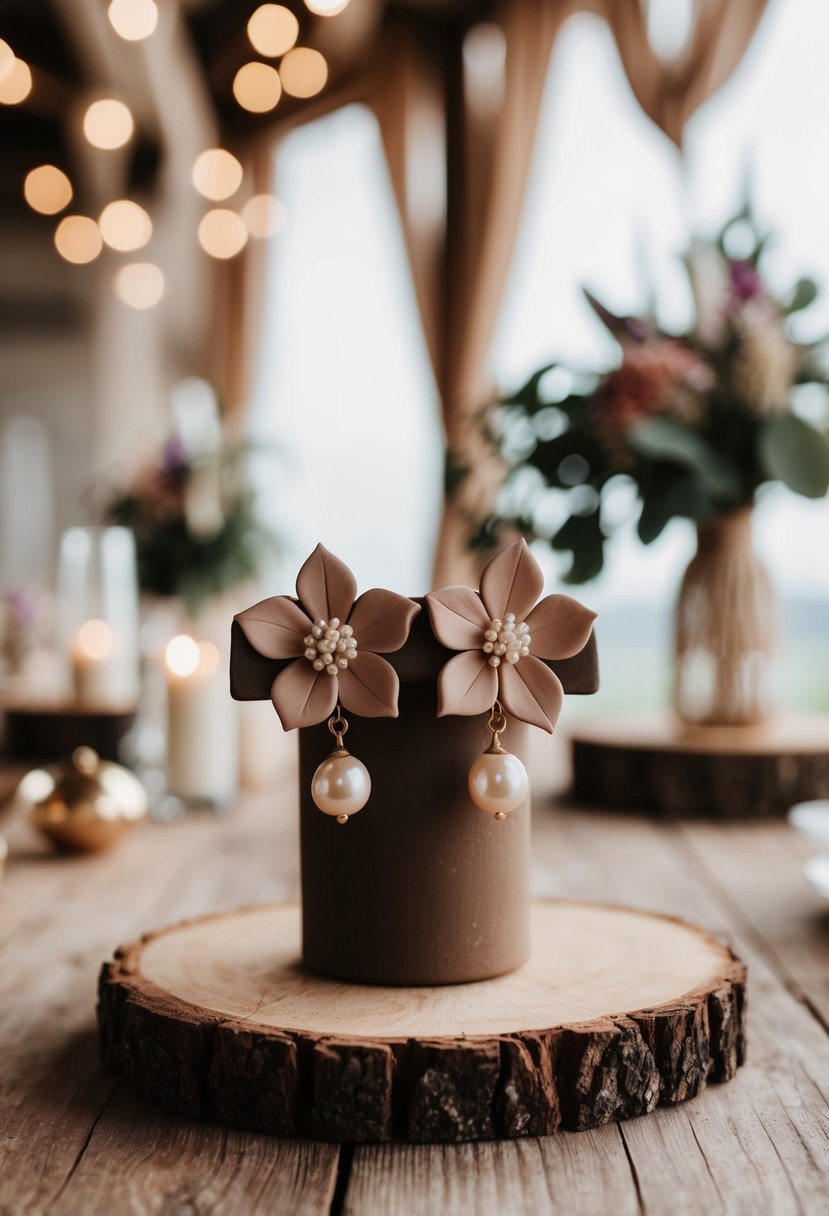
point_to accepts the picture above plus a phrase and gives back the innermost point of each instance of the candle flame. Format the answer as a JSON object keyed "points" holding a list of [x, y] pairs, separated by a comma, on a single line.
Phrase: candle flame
{"points": [[95, 639], [182, 655]]}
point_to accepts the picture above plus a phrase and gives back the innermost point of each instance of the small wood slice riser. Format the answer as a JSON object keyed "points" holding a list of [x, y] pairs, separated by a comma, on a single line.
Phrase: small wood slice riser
{"points": [[652, 762], [214, 1019]]}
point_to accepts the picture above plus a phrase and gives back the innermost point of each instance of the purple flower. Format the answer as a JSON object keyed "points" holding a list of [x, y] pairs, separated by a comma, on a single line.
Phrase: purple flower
{"points": [[745, 281], [174, 457]]}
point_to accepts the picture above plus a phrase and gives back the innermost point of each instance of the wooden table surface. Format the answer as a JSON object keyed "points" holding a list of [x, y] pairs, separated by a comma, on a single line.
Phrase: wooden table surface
{"points": [[75, 1142]]}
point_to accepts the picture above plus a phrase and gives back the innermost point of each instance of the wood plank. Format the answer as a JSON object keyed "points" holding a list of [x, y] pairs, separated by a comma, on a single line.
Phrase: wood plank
{"points": [[61, 918], [762, 1142], [139, 1160], [761, 874], [570, 1174]]}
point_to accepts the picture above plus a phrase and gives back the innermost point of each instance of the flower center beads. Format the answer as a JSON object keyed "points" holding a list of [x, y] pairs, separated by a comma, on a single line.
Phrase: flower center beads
{"points": [[507, 639], [330, 646]]}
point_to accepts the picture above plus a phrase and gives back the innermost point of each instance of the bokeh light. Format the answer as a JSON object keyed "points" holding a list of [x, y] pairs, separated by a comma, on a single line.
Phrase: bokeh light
{"points": [[257, 87], [326, 8], [216, 173], [272, 30], [139, 284], [264, 215], [47, 189], [16, 84], [133, 19], [6, 59], [222, 233], [107, 123], [78, 239], [182, 655], [304, 72], [125, 226]]}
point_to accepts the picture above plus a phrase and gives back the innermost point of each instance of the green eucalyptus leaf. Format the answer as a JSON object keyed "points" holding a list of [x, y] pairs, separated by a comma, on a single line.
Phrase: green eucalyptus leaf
{"points": [[681, 495], [527, 395], [792, 451], [670, 441], [803, 294]]}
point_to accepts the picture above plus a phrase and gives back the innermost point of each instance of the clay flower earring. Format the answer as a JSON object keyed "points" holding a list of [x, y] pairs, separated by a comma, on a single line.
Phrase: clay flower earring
{"points": [[503, 635], [336, 641]]}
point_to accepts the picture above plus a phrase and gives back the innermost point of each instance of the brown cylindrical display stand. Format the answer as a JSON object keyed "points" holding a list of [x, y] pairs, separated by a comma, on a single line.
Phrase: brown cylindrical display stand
{"points": [[420, 887]]}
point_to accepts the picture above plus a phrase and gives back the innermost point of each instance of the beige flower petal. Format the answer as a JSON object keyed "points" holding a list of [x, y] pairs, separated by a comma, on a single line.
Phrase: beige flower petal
{"points": [[369, 686], [559, 627], [325, 586], [275, 627], [381, 620], [458, 618], [302, 696], [511, 581], [467, 685], [530, 692]]}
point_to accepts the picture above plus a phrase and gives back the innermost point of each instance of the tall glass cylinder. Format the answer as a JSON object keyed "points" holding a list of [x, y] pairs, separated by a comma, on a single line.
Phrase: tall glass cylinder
{"points": [[98, 618]]}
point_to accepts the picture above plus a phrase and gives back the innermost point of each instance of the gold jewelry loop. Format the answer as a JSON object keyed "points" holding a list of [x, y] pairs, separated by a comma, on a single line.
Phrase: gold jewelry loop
{"points": [[338, 725], [497, 720]]}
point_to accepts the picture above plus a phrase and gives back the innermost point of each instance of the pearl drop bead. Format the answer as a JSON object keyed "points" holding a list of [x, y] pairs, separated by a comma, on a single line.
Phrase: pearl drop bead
{"points": [[318, 664], [513, 656], [309, 640], [494, 661], [332, 634], [500, 648], [488, 647], [320, 623], [341, 786], [331, 669], [490, 636], [341, 644], [317, 631], [343, 663], [509, 618], [334, 622], [311, 653], [346, 631], [498, 783]]}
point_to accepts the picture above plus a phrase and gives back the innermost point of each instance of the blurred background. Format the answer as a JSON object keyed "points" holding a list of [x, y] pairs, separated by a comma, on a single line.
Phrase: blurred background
{"points": [[260, 264]]}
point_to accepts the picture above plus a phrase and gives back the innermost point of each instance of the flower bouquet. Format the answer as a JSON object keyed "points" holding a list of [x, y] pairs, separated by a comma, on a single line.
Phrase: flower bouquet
{"points": [[196, 531], [690, 426]]}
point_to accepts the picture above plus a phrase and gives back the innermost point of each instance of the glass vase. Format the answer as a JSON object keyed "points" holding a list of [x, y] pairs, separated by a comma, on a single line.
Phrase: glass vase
{"points": [[98, 618], [726, 629]]}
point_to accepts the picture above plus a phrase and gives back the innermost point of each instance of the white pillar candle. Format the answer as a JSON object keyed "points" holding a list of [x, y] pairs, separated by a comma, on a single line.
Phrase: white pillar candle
{"points": [[202, 728], [100, 675]]}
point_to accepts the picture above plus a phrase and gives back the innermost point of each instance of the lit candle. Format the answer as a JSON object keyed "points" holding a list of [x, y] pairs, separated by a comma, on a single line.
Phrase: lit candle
{"points": [[101, 678], [202, 734]]}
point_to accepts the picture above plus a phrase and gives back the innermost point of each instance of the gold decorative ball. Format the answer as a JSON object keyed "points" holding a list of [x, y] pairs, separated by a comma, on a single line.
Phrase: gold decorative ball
{"points": [[84, 805]]}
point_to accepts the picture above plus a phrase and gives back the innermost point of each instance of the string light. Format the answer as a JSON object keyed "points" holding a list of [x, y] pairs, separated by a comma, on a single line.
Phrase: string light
{"points": [[326, 8], [16, 84], [222, 233], [107, 124], [257, 87], [216, 173], [77, 239], [273, 30], [303, 71], [47, 189], [6, 59], [124, 225], [139, 284], [133, 20], [264, 215]]}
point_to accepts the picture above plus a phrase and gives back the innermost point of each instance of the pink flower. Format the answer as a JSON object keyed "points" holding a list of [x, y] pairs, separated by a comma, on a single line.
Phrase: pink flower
{"points": [[503, 639], [335, 640], [661, 377]]}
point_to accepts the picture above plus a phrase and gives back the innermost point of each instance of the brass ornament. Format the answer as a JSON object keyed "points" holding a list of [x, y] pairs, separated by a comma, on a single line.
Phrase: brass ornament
{"points": [[84, 805]]}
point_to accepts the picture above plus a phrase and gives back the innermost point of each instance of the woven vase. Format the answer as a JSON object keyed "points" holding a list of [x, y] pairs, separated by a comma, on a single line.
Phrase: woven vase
{"points": [[726, 629]]}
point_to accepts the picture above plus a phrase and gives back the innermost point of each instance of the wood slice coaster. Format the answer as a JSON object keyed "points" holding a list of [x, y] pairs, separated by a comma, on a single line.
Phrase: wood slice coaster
{"points": [[616, 1012], [654, 762]]}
